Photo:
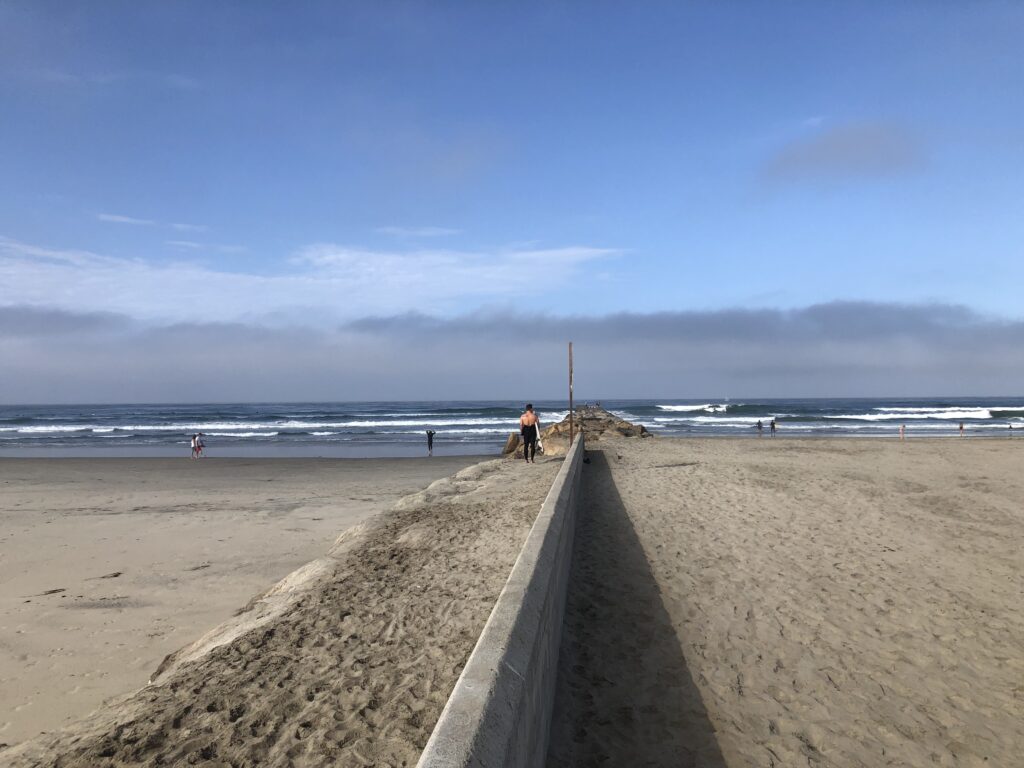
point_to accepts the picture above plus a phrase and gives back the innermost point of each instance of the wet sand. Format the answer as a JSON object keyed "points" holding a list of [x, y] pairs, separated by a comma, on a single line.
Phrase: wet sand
{"points": [[108, 565], [791, 602]]}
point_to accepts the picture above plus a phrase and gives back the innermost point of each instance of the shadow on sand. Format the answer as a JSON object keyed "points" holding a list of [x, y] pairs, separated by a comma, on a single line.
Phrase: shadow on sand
{"points": [[624, 695]]}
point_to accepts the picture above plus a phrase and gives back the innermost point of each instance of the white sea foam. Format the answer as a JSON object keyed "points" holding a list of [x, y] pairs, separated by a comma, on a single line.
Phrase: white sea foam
{"points": [[442, 431], [950, 409], [710, 407], [241, 434], [221, 426], [948, 414], [725, 421]]}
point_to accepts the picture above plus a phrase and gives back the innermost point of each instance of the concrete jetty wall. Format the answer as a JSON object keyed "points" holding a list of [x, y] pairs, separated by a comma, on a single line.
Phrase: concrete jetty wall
{"points": [[499, 713]]}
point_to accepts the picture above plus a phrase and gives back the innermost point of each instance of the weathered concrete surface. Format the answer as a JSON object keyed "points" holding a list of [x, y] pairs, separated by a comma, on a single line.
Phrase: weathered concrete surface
{"points": [[499, 713]]}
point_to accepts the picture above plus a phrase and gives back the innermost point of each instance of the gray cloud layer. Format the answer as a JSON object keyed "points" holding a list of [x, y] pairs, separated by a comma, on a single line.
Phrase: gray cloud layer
{"points": [[851, 150], [835, 349]]}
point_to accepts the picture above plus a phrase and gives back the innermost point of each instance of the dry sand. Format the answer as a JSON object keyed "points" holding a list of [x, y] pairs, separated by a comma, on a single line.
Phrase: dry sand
{"points": [[796, 603], [347, 661], [143, 556]]}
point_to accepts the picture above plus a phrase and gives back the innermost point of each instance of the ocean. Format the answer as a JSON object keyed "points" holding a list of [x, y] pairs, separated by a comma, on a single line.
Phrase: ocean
{"points": [[398, 428]]}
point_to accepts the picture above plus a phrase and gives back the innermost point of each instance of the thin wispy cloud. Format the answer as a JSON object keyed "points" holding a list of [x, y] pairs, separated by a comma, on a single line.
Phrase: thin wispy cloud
{"points": [[116, 218], [193, 245], [418, 231], [325, 280], [847, 151]]}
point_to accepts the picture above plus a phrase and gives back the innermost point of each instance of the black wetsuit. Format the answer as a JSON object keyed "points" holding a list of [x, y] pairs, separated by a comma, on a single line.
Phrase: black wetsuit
{"points": [[430, 440], [529, 432]]}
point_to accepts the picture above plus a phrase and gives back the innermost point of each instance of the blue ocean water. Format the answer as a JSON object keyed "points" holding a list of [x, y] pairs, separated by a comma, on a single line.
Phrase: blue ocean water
{"points": [[398, 428]]}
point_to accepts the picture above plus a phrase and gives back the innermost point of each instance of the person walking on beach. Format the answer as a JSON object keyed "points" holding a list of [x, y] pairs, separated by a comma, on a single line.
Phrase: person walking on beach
{"points": [[199, 445], [430, 442], [903, 429], [771, 427], [195, 446], [961, 429], [760, 428], [529, 428]]}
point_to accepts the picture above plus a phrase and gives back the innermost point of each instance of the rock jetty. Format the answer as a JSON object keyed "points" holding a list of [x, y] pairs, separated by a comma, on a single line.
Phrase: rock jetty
{"points": [[595, 422]]}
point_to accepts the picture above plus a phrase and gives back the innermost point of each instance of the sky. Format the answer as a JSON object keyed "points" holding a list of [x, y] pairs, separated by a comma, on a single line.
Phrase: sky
{"points": [[408, 200]]}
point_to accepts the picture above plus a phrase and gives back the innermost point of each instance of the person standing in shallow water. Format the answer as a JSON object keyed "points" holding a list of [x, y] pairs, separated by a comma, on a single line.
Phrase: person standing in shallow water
{"points": [[529, 428], [430, 442], [760, 428], [771, 427]]}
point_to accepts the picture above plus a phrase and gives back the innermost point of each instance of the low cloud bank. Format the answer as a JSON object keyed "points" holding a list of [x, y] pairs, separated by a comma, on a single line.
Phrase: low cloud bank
{"points": [[834, 349]]}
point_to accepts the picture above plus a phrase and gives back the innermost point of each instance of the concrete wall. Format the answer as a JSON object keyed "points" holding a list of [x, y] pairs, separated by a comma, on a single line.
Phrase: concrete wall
{"points": [[499, 713]]}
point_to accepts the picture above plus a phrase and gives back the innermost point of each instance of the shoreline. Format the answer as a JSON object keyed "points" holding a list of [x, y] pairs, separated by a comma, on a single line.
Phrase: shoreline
{"points": [[477, 451]]}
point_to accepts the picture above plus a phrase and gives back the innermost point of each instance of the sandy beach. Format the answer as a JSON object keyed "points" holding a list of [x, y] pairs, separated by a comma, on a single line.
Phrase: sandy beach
{"points": [[108, 565], [786, 602]]}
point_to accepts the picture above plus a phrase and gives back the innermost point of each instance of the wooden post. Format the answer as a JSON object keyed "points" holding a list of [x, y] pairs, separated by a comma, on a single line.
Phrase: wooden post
{"points": [[572, 426]]}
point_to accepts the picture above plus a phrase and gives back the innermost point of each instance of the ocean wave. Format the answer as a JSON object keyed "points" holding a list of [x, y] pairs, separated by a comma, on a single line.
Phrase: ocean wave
{"points": [[948, 414], [211, 427], [709, 407], [472, 431], [240, 434], [722, 420]]}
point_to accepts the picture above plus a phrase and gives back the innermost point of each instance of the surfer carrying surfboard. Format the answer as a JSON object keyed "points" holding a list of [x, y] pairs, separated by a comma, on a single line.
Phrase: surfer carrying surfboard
{"points": [[529, 428]]}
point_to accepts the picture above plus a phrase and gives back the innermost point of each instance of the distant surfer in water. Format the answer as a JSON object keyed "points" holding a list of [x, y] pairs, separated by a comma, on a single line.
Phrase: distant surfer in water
{"points": [[430, 442], [529, 428]]}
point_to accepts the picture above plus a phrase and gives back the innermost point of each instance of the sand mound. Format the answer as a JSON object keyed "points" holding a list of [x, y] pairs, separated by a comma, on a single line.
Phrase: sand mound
{"points": [[348, 661]]}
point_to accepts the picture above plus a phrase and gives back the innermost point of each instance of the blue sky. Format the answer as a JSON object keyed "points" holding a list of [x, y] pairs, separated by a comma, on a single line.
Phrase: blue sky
{"points": [[320, 163]]}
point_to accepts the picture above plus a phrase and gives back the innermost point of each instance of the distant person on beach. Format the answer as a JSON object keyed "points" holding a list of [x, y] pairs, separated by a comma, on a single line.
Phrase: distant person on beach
{"points": [[760, 428], [961, 429], [199, 445], [771, 427], [529, 428], [903, 429], [195, 446], [430, 442]]}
